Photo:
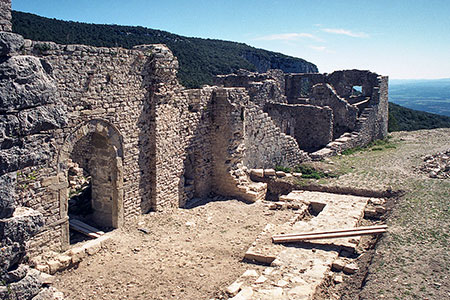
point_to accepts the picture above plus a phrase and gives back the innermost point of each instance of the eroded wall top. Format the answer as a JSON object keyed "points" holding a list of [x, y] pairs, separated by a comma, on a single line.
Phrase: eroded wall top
{"points": [[5, 15]]}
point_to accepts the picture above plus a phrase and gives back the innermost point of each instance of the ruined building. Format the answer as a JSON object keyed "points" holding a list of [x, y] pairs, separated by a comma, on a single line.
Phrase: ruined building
{"points": [[119, 121]]}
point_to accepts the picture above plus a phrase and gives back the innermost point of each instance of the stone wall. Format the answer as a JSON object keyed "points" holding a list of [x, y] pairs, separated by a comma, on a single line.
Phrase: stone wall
{"points": [[311, 96], [230, 176], [5, 15], [311, 126], [123, 117], [268, 145], [148, 143], [344, 114]]}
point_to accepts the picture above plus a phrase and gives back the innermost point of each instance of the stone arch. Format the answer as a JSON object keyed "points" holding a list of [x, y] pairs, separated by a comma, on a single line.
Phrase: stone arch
{"points": [[105, 157]]}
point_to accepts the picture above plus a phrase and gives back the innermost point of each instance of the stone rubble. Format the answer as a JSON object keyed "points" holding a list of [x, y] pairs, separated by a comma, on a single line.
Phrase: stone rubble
{"points": [[297, 270], [437, 165]]}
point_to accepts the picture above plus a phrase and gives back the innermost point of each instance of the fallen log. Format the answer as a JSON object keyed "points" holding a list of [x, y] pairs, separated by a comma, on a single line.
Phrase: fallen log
{"points": [[340, 233]]}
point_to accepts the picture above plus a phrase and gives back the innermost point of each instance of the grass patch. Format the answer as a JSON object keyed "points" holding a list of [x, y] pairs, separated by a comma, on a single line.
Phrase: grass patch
{"points": [[283, 169], [309, 172], [377, 145]]}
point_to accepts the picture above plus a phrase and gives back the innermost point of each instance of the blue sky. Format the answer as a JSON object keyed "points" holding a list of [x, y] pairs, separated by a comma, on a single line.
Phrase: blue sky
{"points": [[400, 38]]}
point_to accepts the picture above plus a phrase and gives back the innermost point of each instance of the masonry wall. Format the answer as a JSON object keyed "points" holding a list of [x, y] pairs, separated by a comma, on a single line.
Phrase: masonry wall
{"points": [[344, 114], [230, 177], [268, 145], [92, 83], [311, 126], [5, 15]]}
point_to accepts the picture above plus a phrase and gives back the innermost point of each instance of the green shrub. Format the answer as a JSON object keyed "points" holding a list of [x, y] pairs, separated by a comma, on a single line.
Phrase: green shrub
{"points": [[283, 169]]}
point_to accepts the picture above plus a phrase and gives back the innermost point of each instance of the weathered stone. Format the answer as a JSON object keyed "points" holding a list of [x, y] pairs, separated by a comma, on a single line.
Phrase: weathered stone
{"points": [[338, 279], [261, 279], [245, 294], [26, 288], [54, 266], [280, 174], [259, 173], [24, 223], [350, 268], [269, 173], [250, 273], [10, 43], [281, 283], [7, 195], [77, 254], [25, 84], [234, 288], [65, 261], [15, 275], [338, 265]]}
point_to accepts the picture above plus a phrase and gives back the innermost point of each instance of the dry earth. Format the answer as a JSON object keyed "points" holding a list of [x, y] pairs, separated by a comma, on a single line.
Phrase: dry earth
{"points": [[189, 254], [194, 253]]}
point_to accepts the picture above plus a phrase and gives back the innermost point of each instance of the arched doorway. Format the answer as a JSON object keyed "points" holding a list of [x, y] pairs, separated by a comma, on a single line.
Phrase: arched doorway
{"points": [[91, 161]]}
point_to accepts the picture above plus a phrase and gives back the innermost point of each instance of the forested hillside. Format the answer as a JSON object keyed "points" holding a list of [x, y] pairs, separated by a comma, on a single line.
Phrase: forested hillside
{"points": [[402, 118], [200, 59]]}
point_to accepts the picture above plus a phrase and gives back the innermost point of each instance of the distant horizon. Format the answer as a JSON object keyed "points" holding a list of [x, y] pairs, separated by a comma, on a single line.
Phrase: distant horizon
{"points": [[401, 39]]}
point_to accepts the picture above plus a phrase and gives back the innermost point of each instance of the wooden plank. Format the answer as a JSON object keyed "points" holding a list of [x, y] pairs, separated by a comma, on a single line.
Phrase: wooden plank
{"points": [[83, 230], [87, 227], [332, 231], [293, 239]]}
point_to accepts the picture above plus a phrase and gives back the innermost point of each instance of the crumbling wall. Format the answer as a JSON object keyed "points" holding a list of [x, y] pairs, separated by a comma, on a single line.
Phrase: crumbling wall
{"points": [[268, 145], [230, 176], [311, 126], [5, 15], [344, 114]]}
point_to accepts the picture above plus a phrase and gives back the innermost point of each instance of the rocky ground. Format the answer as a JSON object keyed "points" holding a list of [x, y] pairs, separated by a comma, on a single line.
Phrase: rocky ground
{"points": [[412, 261], [195, 253]]}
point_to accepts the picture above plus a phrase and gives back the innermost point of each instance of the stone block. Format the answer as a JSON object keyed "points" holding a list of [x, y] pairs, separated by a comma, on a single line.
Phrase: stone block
{"points": [[258, 257], [65, 261], [338, 265], [245, 294], [350, 268], [77, 254], [234, 288], [280, 174], [250, 273], [269, 173], [259, 173], [53, 266], [43, 268]]}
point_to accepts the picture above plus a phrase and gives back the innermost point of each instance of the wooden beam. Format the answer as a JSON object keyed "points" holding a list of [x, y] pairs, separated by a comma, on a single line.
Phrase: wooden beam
{"points": [[317, 236], [85, 229], [86, 226], [333, 231]]}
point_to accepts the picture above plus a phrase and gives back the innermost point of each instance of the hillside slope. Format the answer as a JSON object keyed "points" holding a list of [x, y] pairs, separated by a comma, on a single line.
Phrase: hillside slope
{"points": [[200, 59], [402, 118]]}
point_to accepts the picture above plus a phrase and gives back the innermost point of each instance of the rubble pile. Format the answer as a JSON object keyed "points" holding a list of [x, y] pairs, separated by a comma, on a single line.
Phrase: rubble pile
{"points": [[437, 165]]}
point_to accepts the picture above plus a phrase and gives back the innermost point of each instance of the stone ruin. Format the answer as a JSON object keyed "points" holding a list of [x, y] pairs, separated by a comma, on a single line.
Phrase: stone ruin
{"points": [[118, 122]]}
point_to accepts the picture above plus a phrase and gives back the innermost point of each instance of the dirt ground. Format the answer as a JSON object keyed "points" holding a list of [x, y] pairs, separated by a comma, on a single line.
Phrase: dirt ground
{"points": [[194, 253], [189, 254]]}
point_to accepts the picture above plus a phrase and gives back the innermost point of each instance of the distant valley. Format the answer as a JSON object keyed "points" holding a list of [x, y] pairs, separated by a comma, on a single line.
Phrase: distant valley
{"points": [[426, 95]]}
